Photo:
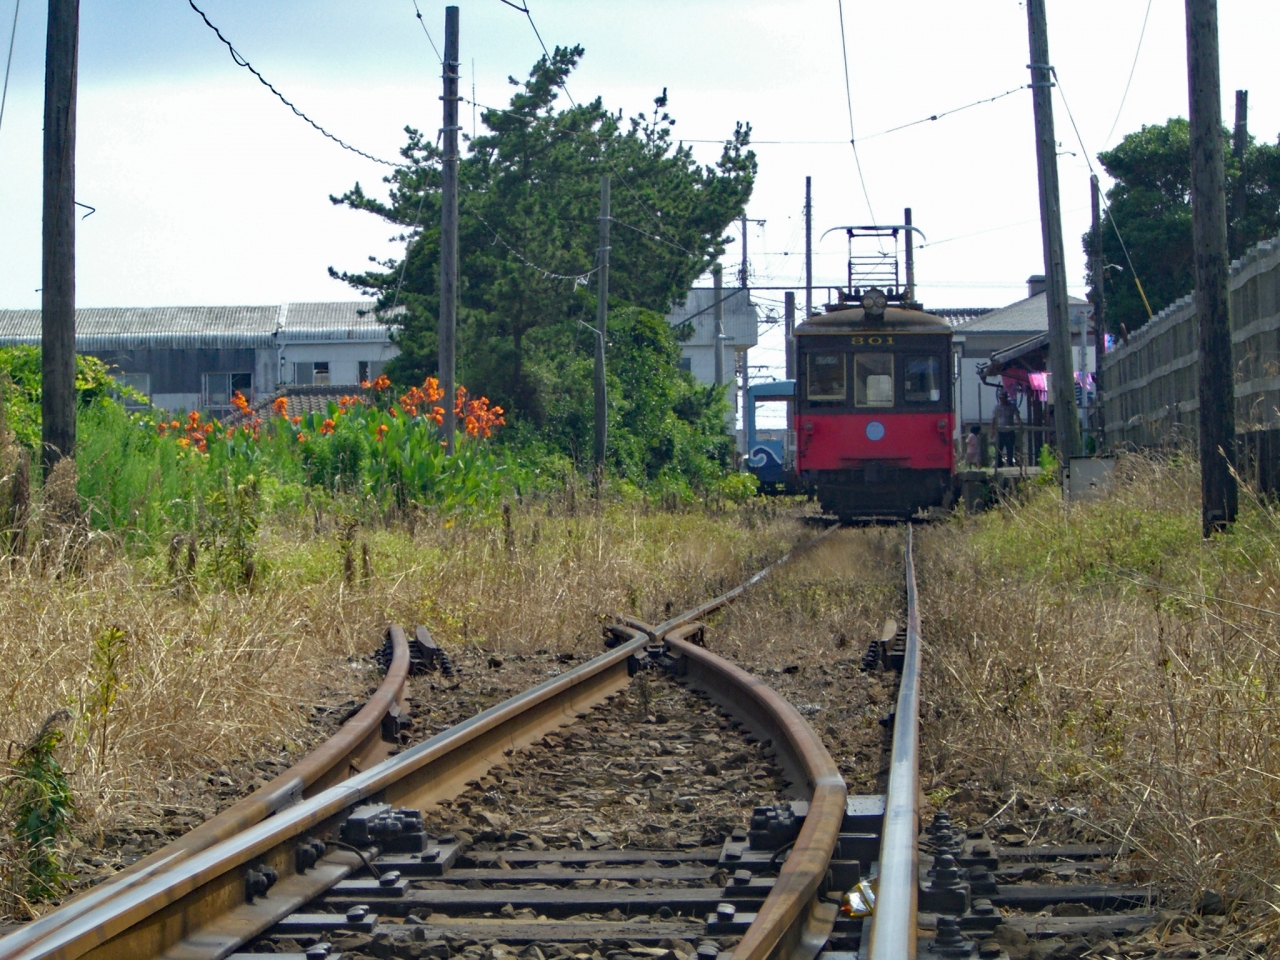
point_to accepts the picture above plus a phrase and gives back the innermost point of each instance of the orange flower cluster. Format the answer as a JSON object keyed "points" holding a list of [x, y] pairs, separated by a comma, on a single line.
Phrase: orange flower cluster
{"points": [[481, 418], [382, 383], [197, 432], [254, 424], [346, 403], [417, 398], [281, 406], [240, 403], [328, 426], [382, 431]]}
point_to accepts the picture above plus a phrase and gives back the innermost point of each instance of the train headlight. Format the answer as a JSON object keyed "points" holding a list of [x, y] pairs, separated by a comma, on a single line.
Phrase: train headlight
{"points": [[874, 302]]}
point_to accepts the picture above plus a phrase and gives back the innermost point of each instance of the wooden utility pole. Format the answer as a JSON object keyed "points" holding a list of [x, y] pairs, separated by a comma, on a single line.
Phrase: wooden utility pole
{"points": [[808, 247], [447, 331], [1239, 198], [789, 327], [742, 271], [1209, 239], [717, 312], [910, 292], [1066, 421], [1098, 272], [602, 316], [58, 271]]}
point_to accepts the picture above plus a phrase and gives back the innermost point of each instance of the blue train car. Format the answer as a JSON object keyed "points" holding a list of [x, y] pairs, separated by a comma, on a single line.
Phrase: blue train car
{"points": [[767, 458]]}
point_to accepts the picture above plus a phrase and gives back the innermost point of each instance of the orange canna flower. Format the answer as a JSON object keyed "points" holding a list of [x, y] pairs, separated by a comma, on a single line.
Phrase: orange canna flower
{"points": [[183, 442], [295, 420], [239, 402], [382, 383], [175, 425], [327, 426], [161, 428], [281, 406], [301, 438], [381, 431]]}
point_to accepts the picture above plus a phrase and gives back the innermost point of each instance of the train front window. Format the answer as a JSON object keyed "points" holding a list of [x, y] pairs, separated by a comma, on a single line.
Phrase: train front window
{"points": [[873, 379], [922, 380], [826, 377]]}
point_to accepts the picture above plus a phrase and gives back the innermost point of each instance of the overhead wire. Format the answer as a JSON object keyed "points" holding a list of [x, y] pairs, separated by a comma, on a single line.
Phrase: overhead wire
{"points": [[422, 23], [241, 61], [1125, 96], [1088, 158], [848, 91], [13, 33]]}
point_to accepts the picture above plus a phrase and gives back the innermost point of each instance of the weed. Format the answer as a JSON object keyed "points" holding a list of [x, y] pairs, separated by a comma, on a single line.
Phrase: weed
{"points": [[36, 802], [106, 682]]}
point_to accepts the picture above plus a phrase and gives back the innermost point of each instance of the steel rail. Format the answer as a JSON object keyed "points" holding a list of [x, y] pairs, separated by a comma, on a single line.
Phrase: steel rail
{"points": [[780, 923], [189, 899], [893, 924], [357, 744], [198, 907]]}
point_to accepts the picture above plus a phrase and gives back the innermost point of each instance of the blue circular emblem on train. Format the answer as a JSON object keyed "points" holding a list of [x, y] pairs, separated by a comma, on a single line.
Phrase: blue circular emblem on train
{"points": [[875, 430]]}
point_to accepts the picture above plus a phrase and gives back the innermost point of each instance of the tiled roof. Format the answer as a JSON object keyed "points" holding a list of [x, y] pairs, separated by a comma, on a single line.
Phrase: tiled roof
{"points": [[302, 400], [1029, 316], [134, 328]]}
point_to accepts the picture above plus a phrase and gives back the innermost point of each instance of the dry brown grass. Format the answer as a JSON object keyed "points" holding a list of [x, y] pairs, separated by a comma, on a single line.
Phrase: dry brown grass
{"points": [[1101, 660], [202, 676]]}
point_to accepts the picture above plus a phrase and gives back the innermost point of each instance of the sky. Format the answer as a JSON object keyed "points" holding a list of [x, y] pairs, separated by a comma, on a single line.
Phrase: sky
{"points": [[208, 190]]}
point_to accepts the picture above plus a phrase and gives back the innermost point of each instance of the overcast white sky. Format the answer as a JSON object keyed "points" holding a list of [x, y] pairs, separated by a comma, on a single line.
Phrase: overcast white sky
{"points": [[208, 191]]}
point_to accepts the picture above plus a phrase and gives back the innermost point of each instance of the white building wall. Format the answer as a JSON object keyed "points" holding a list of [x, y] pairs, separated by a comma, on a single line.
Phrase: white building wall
{"points": [[343, 358]]}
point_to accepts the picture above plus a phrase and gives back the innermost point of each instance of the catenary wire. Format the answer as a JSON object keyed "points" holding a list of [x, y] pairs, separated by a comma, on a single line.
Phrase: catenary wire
{"points": [[848, 92], [579, 279], [423, 24], [241, 61], [1088, 158], [1120, 109], [13, 33]]}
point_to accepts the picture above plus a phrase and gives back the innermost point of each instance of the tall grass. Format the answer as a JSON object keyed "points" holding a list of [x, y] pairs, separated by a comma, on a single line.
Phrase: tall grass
{"points": [[1101, 656]]}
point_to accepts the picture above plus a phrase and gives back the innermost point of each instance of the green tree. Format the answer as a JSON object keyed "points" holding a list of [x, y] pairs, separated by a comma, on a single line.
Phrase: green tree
{"points": [[1150, 202], [529, 204]]}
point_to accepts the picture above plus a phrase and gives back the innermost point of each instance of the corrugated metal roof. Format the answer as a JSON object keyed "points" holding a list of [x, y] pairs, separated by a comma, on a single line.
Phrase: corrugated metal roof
{"points": [[1029, 316], [218, 328]]}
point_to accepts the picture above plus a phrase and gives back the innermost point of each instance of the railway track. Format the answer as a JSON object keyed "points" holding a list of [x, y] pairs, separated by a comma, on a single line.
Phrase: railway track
{"points": [[360, 849]]}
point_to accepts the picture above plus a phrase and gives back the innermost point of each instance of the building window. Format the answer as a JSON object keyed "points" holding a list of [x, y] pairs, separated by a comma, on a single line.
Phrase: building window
{"points": [[139, 383], [686, 364], [312, 372], [370, 370], [220, 387]]}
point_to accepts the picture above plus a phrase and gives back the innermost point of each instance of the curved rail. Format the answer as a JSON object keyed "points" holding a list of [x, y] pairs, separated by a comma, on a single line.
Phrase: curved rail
{"points": [[357, 744], [893, 925], [189, 899], [780, 922]]}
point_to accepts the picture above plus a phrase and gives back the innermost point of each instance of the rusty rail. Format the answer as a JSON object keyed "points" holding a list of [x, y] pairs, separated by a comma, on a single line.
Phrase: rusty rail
{"points": [[189, 899], [357, 744], [893, 926], [779, 927]]}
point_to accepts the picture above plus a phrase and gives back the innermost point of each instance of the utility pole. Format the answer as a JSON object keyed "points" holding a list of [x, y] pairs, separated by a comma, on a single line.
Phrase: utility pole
{"points": [[1209, 240], [1098, 272], [808, 247], [1066, 421], [742, 271], [717, 312], [602, 316], [58, 272], [789, 326], [911, 259], [1239, 199], [447, 332]]}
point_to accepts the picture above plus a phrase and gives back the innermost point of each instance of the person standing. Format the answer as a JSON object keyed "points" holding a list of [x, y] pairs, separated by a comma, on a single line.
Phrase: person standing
{"points": [[1004, 422], [973, 448]]}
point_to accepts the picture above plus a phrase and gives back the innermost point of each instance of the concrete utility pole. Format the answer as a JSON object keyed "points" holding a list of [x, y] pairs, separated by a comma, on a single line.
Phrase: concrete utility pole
{"points": [[742, 271], [447, 331], [1098, 272], [911, 257], [58, 271], [717, 312], [1066, 421], [1209, 240], [808, 247], [789, 327], [1239, 199], [602, 316]]}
